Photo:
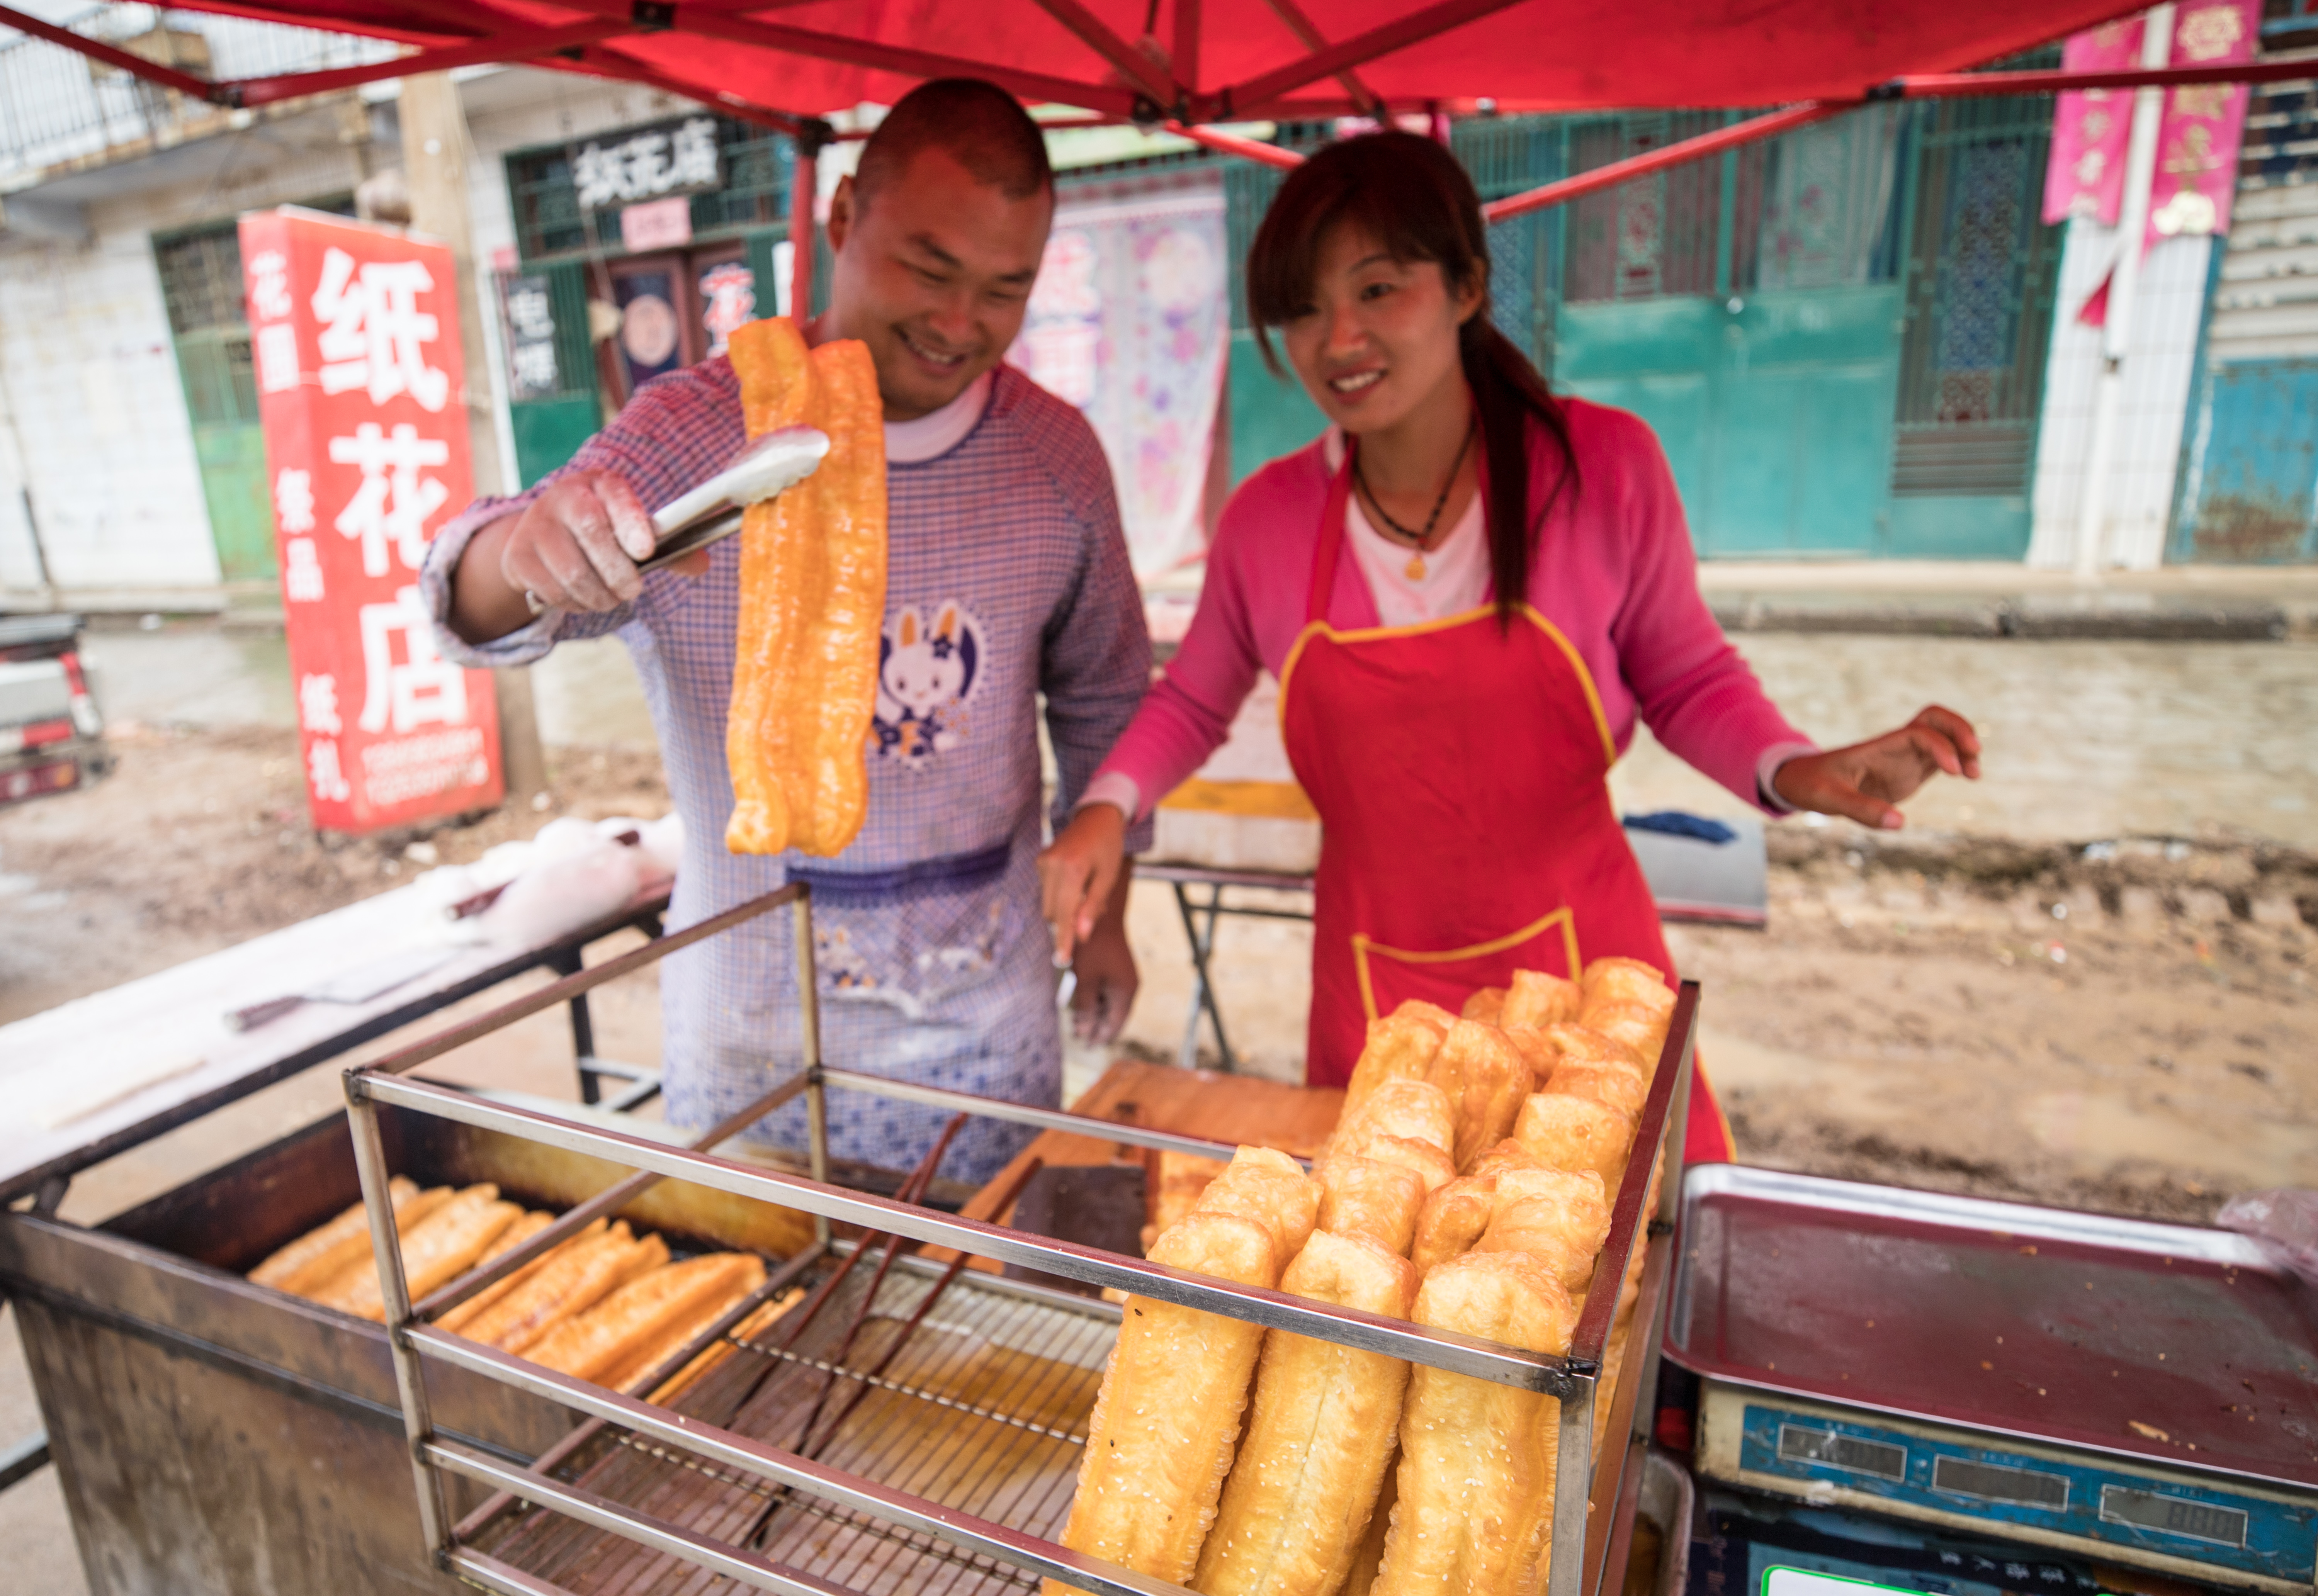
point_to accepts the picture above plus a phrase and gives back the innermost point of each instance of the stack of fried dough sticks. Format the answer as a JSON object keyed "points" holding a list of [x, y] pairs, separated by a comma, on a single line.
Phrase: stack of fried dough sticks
{"points": [[607, 1307], [1467, 1187]]}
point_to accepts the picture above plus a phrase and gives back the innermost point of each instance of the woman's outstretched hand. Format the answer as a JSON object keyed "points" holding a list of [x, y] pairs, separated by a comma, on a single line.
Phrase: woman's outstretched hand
{"points": [[1867, 780]]}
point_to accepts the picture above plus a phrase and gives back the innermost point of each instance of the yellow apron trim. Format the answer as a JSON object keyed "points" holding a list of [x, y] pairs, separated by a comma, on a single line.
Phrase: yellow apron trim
{"points": [[1462, 618], [1363, 947], [1250, 800]]}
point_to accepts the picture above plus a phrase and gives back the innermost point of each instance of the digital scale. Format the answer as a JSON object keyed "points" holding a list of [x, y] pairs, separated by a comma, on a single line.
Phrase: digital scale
{"points": [[1925, 1393]]}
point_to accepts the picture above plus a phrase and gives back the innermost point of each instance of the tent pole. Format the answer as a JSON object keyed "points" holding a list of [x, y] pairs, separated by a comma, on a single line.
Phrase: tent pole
{"points": [[1128, 61], [503, 47], [1671, 155], [1252, 97], [805, 190], [1949, 85], [1222, 143], [1111, 98], [1184, 59], [1302, 26], [136, 65]]}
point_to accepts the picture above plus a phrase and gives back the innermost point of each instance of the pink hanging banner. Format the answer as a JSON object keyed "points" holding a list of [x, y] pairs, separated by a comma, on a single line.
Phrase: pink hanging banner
{"points": [[2090, 127], [2197, 143], [2198, 138]]}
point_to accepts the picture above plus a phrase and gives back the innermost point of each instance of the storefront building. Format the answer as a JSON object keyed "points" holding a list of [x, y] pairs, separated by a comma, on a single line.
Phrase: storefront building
{"points": [[1856, 341], [2249, 477]]}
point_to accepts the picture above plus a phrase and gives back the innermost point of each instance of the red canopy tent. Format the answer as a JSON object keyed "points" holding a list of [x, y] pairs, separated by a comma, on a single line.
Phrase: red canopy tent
{"points": [[1152, 60], [1174, 63]]}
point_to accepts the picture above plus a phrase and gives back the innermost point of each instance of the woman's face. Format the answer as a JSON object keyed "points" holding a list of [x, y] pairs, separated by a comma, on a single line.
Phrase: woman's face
{"points": [[1379, 336]]}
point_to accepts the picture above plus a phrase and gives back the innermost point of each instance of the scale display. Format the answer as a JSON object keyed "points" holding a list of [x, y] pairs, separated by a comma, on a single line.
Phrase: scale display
{"points": [[2100, 1506]]}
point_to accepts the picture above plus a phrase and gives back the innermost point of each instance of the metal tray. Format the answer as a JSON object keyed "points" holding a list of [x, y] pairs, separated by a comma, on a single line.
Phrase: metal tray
{"points": [[2021, 1321]]}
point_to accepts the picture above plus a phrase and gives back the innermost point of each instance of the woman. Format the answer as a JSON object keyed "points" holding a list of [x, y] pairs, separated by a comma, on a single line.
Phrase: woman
{"points": [[1467, 590]]}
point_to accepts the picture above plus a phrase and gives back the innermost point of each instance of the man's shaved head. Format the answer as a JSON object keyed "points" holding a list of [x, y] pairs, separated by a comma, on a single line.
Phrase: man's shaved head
{"points": [[977, 124]]}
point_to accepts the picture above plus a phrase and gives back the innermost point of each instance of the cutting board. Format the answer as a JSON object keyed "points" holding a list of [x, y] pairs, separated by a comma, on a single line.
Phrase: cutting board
{"points": [[1227, 1108]]}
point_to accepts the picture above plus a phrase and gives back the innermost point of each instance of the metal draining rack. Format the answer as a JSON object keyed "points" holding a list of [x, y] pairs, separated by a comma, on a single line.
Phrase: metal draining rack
{"points": [[932, 1445]]}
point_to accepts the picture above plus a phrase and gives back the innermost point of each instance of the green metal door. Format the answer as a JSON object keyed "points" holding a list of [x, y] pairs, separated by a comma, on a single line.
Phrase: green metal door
{"points": [[232, 457], [200, 282], [1774, 408], [1981, 270], [1745, 309]]}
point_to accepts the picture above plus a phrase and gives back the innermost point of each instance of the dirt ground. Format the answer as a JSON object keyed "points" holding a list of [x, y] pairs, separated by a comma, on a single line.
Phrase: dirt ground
{"points": [[199, 840], [2127, 1025]]}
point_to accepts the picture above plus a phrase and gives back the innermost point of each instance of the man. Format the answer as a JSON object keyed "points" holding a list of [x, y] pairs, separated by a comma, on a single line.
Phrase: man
{"points": [[1009, 579]]}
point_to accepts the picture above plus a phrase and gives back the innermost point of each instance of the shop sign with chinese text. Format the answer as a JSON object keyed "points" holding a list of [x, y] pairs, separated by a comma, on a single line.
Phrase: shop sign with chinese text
{"points": [[354, 332], [671, 158]]}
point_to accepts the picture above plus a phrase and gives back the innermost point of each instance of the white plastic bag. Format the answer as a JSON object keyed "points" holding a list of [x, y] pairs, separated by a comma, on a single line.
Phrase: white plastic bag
{"points": [[556, 896], [2283, 1223]]}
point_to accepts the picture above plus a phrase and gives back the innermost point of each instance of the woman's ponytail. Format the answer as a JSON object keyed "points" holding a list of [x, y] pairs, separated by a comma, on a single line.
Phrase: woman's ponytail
{"points": [[1507, 393]]}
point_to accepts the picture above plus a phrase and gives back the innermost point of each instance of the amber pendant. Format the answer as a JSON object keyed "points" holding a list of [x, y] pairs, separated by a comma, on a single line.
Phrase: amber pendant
{"points": [[1415, 568]]}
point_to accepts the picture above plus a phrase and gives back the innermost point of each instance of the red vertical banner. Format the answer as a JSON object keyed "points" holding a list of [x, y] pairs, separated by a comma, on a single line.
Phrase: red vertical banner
{"points": [[355, 336]]}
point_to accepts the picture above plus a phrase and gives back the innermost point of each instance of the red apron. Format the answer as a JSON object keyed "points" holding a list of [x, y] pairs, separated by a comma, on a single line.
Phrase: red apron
{"points": [[1459, 769]]}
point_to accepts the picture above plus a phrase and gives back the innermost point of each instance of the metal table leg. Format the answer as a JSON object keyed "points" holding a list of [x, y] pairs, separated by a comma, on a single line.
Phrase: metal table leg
{"points": [[1203, 990], [568, 962]]}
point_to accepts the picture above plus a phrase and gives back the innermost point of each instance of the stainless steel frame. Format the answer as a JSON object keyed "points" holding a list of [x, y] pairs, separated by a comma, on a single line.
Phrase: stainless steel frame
{"points": [[1586, 1545]]}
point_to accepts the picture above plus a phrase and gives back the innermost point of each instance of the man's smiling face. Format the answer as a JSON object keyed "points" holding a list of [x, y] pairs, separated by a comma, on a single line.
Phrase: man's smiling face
{"points": [[934, 273]]}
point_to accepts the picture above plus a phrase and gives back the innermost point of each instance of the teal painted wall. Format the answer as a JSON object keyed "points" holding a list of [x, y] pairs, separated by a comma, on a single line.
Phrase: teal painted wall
{"points": [[1270, 416], [2251, 476], [1776, 416]]}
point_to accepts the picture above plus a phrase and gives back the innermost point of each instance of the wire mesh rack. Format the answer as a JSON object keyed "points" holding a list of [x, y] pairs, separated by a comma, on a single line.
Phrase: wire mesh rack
{"points": [[914, 1424]]}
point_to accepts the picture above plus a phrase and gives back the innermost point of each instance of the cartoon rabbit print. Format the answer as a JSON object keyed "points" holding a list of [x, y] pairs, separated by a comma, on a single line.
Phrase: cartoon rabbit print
{"points": [[928, 668]]}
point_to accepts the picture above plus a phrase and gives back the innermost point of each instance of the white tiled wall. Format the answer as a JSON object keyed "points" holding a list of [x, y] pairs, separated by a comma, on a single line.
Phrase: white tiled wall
{"points": [[107, 450], [2158, 368], [103, 442]]}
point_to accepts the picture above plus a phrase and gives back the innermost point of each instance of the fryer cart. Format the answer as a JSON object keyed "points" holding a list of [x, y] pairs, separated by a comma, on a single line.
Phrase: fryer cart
{"points": [[1916, 1392], [910, 1427], [215, 1435]]}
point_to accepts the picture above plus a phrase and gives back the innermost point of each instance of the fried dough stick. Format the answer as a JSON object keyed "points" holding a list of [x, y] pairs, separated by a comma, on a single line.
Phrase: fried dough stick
{"points": [[813, 600], [322, 1251], [1319, 1435], [444, 1244], [1160, 1440], [1477, 1457]]}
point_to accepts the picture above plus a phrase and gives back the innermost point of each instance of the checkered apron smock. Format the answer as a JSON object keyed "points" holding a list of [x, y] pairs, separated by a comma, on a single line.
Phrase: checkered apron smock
{"points": [[1008, 579]]}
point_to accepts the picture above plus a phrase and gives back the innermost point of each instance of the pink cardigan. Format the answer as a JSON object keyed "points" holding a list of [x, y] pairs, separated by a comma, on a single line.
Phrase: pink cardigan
{"points": [[1613, 570]]}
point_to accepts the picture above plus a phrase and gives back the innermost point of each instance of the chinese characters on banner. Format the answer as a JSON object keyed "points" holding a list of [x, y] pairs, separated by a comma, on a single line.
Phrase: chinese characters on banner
{"points": [[355, 337], [2198, 138], [527, 306], [671, 159]]}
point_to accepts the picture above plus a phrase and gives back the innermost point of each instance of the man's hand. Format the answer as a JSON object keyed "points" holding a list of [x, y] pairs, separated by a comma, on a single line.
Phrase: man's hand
{"points": [[1105, 966], [1864, 781], [1080, 873], [575, 547]]}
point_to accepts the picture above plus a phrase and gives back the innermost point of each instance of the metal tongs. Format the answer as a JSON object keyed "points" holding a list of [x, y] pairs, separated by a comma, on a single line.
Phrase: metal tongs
{"points": [[709, 514], [764, 467]]}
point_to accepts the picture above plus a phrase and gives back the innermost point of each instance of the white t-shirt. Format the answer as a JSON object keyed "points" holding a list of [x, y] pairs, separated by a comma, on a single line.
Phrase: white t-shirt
{"points": [[937, 432], [1456, 572]]}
